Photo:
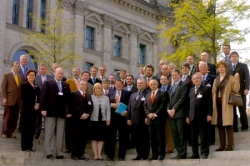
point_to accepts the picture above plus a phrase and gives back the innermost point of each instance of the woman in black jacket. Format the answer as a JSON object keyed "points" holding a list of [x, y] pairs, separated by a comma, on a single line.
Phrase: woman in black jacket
{"points": [[30, 98]]}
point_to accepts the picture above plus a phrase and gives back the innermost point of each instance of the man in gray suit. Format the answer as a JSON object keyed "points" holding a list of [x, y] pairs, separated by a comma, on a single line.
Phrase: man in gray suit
{"points": [[40, 78], [24, 59], [55, 96]]}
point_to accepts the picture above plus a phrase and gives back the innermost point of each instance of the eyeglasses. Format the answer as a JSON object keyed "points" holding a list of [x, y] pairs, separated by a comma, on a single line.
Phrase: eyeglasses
{"points": [[102, 70]]}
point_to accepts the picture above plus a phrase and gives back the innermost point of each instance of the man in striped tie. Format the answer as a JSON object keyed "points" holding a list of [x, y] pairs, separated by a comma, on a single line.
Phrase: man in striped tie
{"points": [[118, 122]]}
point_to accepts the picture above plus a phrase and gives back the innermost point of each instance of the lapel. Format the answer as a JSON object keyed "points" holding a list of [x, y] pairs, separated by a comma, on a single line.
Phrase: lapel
{"points": [[13, 78], [156, 96], [143, 94], [237, 68], [56, 86], [200, 90], [80, 97], [207, 79]]}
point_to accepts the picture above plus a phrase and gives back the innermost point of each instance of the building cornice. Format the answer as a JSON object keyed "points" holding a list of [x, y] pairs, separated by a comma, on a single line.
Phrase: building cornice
{"points": [[119, 59], [92, 52]]}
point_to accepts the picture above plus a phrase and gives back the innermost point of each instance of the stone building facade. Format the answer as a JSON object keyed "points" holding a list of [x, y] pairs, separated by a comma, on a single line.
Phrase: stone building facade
{"points": [[119, 34]]}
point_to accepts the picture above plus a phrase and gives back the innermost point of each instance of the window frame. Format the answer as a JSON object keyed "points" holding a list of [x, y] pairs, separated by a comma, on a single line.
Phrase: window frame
{"points": [[29, 10], [117, 51], [90, 39]]}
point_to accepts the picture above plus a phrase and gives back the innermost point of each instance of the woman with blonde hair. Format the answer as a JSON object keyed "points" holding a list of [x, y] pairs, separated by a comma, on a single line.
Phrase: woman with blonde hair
{"points": [[100, 118], [222, 111]]}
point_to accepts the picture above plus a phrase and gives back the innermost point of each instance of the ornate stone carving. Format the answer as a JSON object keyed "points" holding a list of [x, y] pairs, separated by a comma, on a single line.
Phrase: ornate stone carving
{"points": [[155, 37], [134, 29], [76, 6], [108, 20]]}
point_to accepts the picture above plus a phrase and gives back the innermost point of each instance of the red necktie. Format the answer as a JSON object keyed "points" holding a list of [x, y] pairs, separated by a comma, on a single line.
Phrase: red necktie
{"points": [[117, 98], [83, 95], [152, 97]]}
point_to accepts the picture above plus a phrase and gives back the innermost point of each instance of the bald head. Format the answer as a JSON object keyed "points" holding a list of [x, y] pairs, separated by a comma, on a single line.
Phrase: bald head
{"points": [[204, 56], [153, 84], [59, 74]]}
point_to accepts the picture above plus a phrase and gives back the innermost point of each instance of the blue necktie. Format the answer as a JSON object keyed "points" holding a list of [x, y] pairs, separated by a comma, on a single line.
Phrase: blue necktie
{"points": [[163, 89], [59, 86], [138, 94], [93, 80], [175, 85], [234, 67]]}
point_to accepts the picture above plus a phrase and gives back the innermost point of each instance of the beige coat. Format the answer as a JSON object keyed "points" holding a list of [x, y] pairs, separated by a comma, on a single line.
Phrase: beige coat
{"points": [[227, 109]]}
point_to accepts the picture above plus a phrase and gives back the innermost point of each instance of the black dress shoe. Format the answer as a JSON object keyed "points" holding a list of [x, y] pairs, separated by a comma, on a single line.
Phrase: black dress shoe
{"points": [[161, 157], [154, 158], [83, 158], [50, 156], [60, 157], [193, 156], [204, 156], [110, 159], [144, 158], [121, 159]]}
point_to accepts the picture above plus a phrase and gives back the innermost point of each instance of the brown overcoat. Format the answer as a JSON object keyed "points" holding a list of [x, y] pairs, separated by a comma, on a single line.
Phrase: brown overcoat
{"points": [[233, 84]]}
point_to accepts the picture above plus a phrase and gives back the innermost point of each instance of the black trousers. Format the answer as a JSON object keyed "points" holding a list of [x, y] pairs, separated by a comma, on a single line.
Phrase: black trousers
{"points": [[243, 115], [177, 126], [69, 129], [28, 124], [140, 134], [80, 135], [38, 125], [158, 140], [200, 128], [118, 123]]}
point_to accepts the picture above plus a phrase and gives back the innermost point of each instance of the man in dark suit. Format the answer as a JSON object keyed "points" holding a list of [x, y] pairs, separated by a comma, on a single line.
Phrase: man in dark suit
{"points": [[236, 67], [11, 100], [85, 76], [190, 61], [211, 67], [226, 49], [93, 79], [187, 79], [123, 75], [55, 97], [130, 84], [149, 71], [24, 59], [169, 137], [136, 118], [198, 116], [141, 75], [81, 108], [39, 80], [176, 110], [102, 70], [112, 82], [105, 86], [155, 110], [160, 73], [118, 123], [208, 80]]}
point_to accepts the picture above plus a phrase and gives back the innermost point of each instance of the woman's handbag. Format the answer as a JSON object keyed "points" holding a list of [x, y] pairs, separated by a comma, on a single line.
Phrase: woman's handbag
{"points": [[235, 99]]}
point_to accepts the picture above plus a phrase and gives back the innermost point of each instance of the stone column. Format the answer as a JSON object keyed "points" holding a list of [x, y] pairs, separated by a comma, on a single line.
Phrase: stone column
{"points": [[3, 11], [134, 49], [23, 14], [108, 42]]}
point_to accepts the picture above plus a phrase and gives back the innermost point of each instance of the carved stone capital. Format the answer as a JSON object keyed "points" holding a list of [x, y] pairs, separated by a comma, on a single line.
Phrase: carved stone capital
{"points": [[108, 20], [134, 29], [75, 6], [155, 37]]}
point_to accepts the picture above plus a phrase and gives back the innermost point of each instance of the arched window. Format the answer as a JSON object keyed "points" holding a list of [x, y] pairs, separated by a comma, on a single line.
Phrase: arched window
{"points": [[30, 65]]}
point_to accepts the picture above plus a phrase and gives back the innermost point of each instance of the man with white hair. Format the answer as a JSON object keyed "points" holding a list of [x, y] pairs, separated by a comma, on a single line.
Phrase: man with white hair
{"points": [[211, 67], [55, 96], [24, 59]]}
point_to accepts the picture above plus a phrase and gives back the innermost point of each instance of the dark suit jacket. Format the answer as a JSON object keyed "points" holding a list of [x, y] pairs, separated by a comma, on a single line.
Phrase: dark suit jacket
{"points": [[209, 80], [201, 107], [167, 97], [23, 75], [10, 90], [134, 89], [211, 68], [79, 105], [136, 108], [54, 104], [97, 80], [193, 70], [158, 107], [124, 98], [29, 96], [243, 71], [38, 80], [158, 75], [178, 99], [188, 81]]}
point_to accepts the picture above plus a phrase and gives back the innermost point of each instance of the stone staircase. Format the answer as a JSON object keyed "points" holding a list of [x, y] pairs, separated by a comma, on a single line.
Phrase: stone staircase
{"points": [[11, 154]]}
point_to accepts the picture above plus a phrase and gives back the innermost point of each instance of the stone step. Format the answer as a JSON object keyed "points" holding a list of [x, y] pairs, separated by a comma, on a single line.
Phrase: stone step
{"points": [[188, 162]]}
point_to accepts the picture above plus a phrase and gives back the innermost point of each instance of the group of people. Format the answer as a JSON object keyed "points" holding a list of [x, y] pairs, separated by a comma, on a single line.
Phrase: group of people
{"points": [[161, 112]]}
